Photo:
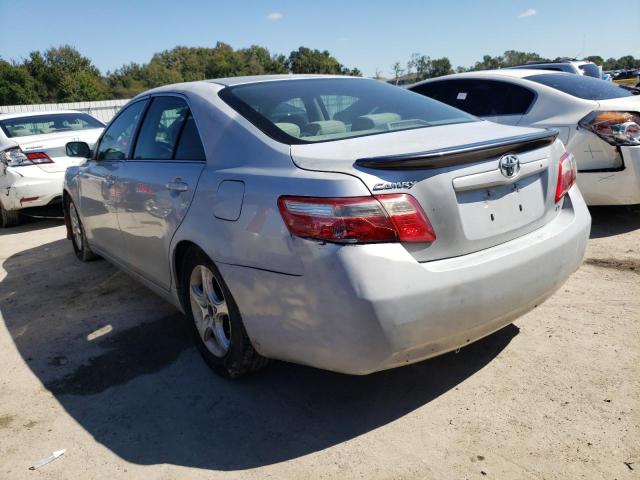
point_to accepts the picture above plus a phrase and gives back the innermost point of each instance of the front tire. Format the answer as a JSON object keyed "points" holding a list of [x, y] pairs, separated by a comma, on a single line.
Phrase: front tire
{"points": [[215, 319], [8, 218], [78, 238]]}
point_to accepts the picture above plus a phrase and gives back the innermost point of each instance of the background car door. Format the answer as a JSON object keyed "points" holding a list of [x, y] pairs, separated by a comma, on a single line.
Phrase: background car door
{"points": [[99, 191], [496, 101], [159, 182]]}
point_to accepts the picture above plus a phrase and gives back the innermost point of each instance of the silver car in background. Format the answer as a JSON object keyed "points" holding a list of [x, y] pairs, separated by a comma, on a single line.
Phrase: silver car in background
{"points": [[335, 222]]}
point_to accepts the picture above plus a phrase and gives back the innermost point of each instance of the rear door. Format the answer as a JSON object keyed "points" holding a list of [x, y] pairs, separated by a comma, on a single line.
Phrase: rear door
{"points": [[100, 195], [159, 180], [497, 101]]}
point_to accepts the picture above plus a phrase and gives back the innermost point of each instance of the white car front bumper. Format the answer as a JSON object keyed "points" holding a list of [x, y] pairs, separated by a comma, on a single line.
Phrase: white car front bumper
{"points": [[613, 187]]}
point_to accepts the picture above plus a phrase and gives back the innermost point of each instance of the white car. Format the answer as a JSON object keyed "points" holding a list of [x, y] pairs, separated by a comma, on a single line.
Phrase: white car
{"points": [[33, 157], [598, 121]]}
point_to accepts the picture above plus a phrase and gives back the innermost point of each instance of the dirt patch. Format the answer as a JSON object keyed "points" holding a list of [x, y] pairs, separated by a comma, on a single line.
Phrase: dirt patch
{"points": [[628, 264], [5, 421]]}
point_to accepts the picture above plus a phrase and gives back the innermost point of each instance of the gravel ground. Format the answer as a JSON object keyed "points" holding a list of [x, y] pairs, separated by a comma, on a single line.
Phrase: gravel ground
{"points": [[94, 363]]}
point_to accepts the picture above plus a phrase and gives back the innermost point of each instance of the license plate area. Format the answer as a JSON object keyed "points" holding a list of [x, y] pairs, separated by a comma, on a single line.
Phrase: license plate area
{"points": [[491, 211]]}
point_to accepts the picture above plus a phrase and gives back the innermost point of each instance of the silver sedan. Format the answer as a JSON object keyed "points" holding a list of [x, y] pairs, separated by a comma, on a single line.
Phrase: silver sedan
{"points": [[335, 222]]}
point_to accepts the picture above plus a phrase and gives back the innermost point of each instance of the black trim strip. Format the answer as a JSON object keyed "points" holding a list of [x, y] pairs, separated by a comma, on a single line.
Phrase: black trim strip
{"points": [[470, 153]]}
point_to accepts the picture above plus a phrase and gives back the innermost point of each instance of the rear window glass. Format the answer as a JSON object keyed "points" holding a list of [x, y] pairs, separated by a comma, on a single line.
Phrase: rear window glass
{"points": [[317, 110], [51, 123], [581, 86], [484, 98]]}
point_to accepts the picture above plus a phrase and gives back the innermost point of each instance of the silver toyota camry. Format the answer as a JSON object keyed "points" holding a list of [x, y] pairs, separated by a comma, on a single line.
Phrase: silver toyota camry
{"points": [[336, 222]]}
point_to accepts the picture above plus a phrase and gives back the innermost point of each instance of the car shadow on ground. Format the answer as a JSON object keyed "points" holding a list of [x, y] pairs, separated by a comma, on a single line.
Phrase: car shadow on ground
{"points": [[30, 224], [610, 221], [120, 362]]}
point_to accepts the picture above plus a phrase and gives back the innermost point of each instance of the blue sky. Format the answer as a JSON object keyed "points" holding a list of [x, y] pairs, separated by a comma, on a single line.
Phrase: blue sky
{"points": [[368, 34]]}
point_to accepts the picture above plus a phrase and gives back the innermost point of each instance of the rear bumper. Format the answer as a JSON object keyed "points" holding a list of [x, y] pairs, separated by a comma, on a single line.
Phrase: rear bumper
{"points": [[614, 187], [19, 186], [359, 309]]}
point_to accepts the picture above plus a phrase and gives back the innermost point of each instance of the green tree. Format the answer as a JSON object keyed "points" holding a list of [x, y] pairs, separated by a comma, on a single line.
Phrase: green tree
{"points": [[440, 66], [17, 86], [305, 60], [597, 59]]}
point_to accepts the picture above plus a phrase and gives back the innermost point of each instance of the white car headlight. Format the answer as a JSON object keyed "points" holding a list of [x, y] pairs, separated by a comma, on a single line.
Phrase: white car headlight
{"points": [[615, 128]]}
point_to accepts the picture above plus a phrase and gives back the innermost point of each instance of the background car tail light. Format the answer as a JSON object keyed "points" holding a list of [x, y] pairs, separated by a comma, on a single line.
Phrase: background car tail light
{"points": [[38, 157], [615, 128], [567, 173], [14, 157], [380, 218]]}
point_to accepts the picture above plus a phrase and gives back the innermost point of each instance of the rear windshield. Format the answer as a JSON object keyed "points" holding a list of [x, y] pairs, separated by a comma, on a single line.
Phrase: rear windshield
{"points": [[581, 86], [328, 109], [51, 123]]}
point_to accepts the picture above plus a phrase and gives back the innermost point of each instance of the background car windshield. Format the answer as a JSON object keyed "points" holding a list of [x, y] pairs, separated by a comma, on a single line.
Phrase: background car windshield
{"points": [[581, 86], [590, 69], [316, 110], [52, 123]]}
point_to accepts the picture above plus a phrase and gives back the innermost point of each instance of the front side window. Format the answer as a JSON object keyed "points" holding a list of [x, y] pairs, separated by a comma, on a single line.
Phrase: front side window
{"points": [[581, 86], [116, 141], [329, 109], [48, 123], [484, 98]]}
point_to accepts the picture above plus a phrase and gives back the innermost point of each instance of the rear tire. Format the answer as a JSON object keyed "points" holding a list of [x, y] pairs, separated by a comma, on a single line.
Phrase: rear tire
{"points": [[215, 320], [78, 238], [8, 218]]}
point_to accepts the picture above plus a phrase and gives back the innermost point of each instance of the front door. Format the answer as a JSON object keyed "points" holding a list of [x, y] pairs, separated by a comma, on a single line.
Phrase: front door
{"points": [[159, 180], [99, 192]]}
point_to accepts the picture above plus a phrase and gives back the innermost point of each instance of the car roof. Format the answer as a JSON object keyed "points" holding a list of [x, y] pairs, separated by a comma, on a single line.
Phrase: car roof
{"points": [[199, 85], [500, 73], [5, 116]]}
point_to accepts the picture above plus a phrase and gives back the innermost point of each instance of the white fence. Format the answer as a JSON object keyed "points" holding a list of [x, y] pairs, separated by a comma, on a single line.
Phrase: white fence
{"points": [[103, 110]]}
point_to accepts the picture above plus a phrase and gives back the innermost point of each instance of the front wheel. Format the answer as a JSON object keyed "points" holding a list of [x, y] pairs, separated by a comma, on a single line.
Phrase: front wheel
{"points": [[78, 238], [215, 319]]}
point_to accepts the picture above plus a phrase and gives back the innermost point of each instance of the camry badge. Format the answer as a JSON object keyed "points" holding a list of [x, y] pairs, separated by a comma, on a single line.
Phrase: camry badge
{"points": [[393, 186]]}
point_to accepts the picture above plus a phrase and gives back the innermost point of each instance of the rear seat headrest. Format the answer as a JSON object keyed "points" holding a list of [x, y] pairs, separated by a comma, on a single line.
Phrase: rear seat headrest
{"points": [[374, 120], [289, 128], [326, 127]]}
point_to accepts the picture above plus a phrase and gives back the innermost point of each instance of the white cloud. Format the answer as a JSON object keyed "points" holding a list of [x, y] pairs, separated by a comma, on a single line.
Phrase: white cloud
{"points": [[529, 12], [274, 16]]}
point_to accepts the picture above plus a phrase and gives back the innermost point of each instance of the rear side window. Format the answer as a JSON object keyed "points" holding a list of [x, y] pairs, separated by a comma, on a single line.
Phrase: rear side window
{"points": [[116, 141], [48, 123], [484, 98], [161, 129], [327, 109], [190, 146], [581, 86]]}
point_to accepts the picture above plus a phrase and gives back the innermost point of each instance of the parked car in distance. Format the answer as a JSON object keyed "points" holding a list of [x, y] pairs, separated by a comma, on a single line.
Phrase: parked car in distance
{"points": [[33, 158], [598, 121], [336, 222], [578, 67]]}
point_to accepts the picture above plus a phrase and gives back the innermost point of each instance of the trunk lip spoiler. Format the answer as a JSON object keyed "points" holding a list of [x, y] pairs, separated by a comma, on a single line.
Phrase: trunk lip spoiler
{"points": [[461, 154]]}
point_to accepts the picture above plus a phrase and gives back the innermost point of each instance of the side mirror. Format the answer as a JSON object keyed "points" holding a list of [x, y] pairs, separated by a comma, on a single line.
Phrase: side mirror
{"points": [[78, 149]]}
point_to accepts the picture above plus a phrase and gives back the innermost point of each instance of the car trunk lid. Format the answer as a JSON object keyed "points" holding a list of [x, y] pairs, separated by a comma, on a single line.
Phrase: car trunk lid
{"points": [[54, 146], [471, 204]]}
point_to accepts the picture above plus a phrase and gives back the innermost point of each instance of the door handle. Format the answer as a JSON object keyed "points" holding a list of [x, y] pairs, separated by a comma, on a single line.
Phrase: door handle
{"points": [[177, 186]]}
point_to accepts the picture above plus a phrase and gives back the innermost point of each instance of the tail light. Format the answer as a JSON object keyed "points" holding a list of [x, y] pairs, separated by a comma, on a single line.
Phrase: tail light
{"points": [[15, 157], [378, 218], [38, 157], [615, 128], [567, 173]]}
